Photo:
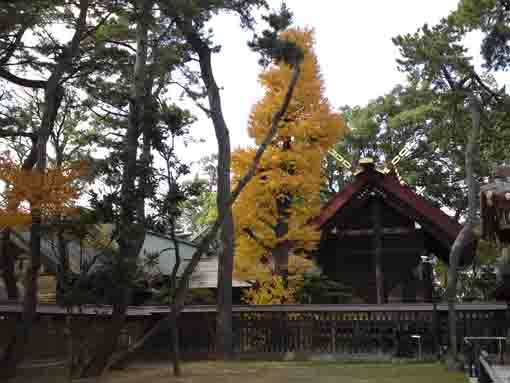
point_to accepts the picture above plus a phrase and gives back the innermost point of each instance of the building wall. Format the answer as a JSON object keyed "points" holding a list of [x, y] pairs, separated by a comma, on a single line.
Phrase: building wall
{"points": [[347, 254], [165, 247], [206, 273]]}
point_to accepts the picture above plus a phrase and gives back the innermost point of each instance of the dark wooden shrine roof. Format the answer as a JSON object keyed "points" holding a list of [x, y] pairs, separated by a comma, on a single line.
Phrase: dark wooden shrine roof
{"points": [[433, 220]]}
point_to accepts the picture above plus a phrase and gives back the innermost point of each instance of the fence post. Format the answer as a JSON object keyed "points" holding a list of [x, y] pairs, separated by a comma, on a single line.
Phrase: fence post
{"points": [[69, 338], [396, 334], [436, 330], [333, 338], [356, 335]]}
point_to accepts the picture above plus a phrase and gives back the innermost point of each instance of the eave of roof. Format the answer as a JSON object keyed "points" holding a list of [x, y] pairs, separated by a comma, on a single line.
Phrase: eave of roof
{"points": [[341, 199], [389, 184]]}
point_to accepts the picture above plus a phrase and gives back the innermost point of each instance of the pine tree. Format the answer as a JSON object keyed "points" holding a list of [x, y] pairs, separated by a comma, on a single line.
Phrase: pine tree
{"points": [[272, 213]]}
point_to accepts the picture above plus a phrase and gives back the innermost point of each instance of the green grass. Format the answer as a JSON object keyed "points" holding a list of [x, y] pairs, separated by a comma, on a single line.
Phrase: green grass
{"points": [[272, 372], [283, 372]]}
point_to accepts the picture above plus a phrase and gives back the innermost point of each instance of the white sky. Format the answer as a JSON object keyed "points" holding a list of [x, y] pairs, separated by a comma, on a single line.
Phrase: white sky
{"points": [[353, 45]]}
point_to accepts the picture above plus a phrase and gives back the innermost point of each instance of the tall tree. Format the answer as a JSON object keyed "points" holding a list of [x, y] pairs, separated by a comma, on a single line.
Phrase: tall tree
{"points": [[273, 211], [191, 19], [64, 66], [436, 56], [134, 161]]}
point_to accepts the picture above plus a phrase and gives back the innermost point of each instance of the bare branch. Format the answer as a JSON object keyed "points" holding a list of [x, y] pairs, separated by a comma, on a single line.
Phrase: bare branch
{"points": [[259, 241], [36, 84], [194, 96]]}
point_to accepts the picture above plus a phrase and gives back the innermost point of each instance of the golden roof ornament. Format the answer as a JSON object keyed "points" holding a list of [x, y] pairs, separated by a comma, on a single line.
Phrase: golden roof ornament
{"points": [[369, 163]]}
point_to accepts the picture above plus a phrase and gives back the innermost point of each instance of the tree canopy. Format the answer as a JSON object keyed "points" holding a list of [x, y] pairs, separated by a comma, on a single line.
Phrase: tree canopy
{"points": [[272, 214]]}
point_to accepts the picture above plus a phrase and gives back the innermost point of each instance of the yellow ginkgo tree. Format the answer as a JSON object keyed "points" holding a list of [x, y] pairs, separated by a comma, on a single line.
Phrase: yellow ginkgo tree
{"points": [[272, 213], [51, 193]]}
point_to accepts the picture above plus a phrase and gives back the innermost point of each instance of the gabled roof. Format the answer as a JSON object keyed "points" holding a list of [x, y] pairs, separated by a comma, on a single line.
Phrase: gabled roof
{"points": [[402, 198]]}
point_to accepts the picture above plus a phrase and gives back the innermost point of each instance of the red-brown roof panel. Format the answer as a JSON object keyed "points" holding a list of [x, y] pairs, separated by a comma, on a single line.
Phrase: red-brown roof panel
{"points": [[441, 226]]}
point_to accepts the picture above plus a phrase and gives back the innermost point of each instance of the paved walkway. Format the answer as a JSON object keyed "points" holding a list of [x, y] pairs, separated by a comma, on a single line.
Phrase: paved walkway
{"points": [[503, 372]]}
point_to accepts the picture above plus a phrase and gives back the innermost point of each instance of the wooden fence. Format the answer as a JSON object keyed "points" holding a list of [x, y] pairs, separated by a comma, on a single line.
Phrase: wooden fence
{"points": [[353, 330], [396, 329]]}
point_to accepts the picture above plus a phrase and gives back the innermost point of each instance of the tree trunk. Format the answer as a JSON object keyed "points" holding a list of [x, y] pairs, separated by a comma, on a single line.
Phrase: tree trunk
{"points": [[224, 338], [7, 363], [466, 235], [224, 335], [280, 253], [7, 263], [174, 323], [175, 343], [223, 196], [107, 345]]}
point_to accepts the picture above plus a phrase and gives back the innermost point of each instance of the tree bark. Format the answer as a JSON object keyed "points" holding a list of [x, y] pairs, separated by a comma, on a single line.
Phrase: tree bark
{"points": [[466, 235], [224, 339], [280, 253], [175, 318], [7, 365], [223, 195], [7, 263], [175, 344]]}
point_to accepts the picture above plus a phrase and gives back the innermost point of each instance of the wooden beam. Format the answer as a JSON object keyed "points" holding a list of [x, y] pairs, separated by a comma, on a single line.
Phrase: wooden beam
{"points": [[428, 287], [378, 247], [384, 231]]}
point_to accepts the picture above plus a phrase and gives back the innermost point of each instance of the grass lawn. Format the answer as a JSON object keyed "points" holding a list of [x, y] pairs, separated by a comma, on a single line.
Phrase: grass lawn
{"points": [[278, 372]]}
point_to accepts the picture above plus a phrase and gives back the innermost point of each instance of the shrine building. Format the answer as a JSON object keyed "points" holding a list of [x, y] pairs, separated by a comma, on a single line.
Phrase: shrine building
{"points": [[377, 237]]}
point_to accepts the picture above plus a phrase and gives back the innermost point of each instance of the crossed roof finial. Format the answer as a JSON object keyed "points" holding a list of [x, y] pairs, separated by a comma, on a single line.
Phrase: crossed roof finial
{"points": [[364, 162]]}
